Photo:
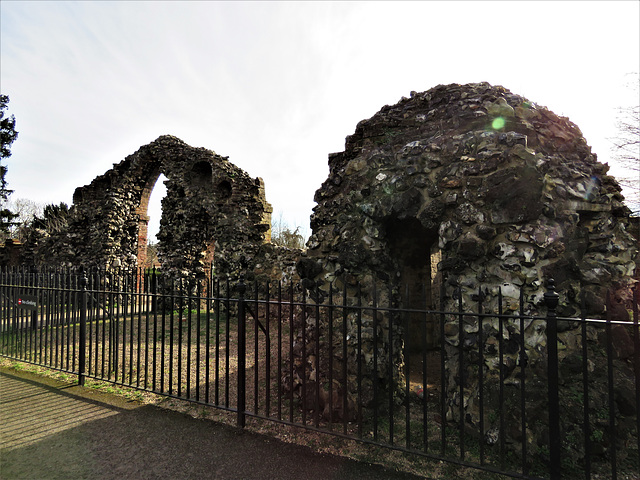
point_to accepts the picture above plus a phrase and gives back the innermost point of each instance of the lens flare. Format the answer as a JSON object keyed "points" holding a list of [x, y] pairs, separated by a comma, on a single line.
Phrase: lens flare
{"points": [[498, 123]]}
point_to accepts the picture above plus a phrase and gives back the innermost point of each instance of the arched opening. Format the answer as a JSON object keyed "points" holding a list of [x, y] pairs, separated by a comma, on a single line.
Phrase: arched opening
{"points": [[415, 251], [149, 214]]}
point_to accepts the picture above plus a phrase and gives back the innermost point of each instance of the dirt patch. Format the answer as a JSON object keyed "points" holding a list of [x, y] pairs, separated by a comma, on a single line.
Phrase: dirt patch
{"points": [[60, 431], [139, 436]]}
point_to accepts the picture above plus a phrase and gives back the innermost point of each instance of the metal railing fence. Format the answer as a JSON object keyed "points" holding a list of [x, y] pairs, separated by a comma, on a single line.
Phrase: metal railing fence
{"points": [[335, 366]]}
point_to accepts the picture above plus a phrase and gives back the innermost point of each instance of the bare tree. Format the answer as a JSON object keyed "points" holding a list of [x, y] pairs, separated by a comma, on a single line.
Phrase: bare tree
{"points": [[285, 236], [25, 211], [626, 151]]}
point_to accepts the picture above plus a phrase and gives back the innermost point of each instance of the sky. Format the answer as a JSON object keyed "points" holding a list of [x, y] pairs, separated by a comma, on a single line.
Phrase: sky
{"points": [[277, 86]]}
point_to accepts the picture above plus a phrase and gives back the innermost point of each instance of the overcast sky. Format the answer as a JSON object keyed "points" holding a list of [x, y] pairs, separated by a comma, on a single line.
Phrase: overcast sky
{"points": [[277, 86]]}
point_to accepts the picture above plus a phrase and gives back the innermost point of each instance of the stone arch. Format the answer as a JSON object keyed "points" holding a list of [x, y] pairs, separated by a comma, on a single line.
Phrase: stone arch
{"points": [[213, 213], [143, 217]]}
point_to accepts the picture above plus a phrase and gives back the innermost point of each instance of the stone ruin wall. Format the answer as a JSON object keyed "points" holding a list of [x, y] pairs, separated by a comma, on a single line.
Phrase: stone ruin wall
{"points": [[510, 202], [213, 213], [481, 189]]}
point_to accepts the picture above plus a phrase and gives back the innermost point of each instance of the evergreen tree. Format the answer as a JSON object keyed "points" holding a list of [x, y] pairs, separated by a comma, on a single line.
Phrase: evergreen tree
{"points": [[8, 135]]}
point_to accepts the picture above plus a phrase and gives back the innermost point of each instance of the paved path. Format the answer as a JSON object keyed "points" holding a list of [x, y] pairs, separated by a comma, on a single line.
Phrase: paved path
{"points": [[52, 430]]}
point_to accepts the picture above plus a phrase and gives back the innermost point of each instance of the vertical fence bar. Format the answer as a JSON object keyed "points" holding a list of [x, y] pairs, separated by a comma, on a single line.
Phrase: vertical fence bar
{"points": [[207, 340], [172, 306], [461, 373], [611, 393], [279, 349], [227, 344], [267, 320], [105, 306], [180, 322], [154, 306], [523, 384], [34, 318], [375, 363], [359, 360], [502, 375], [94, 320], [585, 389], [90, 303], [163, 328], [242, 365], [45, 318], [216, 389], [423, 334], [345, 388], [77, 302], [390, 367], [636, 359], [407, 363], [551, 299], [481, 373], [42, 324], [330, 342], [55, 318], [147, 301], [66, 320], [189, 337], [304, 359], [83, 329], [291, 359], [137, 282], [115, 297], [198, 348], [256, 348], [127, 344], [443, 388]]}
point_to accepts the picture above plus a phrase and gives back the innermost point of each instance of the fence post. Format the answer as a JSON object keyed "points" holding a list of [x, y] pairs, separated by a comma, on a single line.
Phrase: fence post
{"points": [[242, 365], [83, 328], [551, 299]]}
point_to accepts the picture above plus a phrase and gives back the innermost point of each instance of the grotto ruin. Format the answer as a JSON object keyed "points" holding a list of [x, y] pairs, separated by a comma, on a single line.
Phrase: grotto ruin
{"points": [[477, 183], [482, 190]]}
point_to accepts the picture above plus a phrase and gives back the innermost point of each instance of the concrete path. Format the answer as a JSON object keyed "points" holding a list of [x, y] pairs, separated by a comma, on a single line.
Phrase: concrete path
{"points": [[52, 430]]}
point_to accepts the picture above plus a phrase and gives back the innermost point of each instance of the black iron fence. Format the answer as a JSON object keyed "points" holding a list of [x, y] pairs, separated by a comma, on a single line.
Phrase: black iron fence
{"points": [[526, 396]]}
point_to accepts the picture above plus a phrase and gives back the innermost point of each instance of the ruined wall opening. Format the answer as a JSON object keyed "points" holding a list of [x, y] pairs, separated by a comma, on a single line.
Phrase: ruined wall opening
{"points": [[154, 213], [149, 207], [224, 190], [201, 174], [414, 250]]}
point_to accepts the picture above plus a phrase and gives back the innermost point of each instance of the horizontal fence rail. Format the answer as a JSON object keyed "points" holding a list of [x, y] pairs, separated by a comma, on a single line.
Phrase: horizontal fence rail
{"points": [[459, 386]]}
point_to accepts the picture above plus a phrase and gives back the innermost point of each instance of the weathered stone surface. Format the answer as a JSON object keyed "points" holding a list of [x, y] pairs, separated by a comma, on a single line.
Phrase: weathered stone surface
{"points": [[213, 214], [479, 167], [474, 186]]}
